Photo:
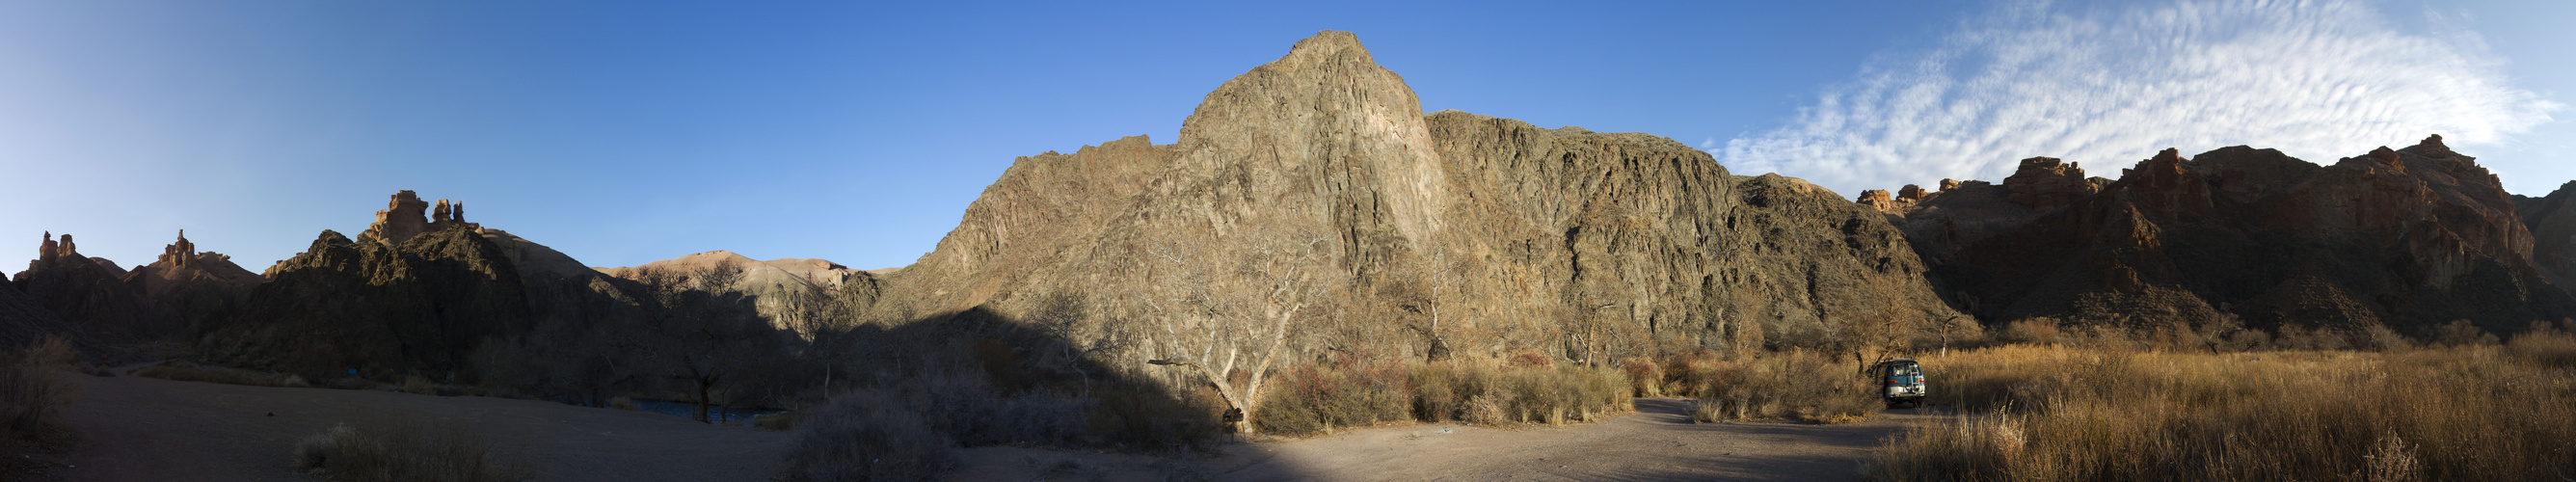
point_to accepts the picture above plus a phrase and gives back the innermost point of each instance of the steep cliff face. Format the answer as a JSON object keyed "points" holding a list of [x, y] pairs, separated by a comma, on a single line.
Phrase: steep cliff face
{"points": [[2399, 238], [90, 296], [1311, 197], [2552, 221], [23, 321]]}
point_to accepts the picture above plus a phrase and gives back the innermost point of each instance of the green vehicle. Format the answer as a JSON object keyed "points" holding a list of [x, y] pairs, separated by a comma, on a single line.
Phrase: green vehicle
{"points": [[1901, 381]]}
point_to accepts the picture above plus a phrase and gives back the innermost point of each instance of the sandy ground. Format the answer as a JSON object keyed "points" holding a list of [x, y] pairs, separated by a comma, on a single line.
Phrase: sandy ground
{"points": [[144, 429], [1659, 442]]}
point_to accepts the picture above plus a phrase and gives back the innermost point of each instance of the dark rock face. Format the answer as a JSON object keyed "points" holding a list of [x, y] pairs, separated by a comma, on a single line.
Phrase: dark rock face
{"points": [[389, 304], [91, 297], [1414, 234], [2552, 221], [23, 321], [2399, 238]]}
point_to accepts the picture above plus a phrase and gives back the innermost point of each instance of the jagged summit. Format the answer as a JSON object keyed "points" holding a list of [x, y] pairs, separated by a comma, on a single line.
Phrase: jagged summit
{"points": [[401, 219]]}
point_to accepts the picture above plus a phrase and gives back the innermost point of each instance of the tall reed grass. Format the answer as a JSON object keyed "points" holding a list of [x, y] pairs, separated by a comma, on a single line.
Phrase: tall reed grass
{"points": [[2473, 411]]}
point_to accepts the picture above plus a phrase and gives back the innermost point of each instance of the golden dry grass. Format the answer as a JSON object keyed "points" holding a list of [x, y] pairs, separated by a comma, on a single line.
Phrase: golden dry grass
{"points": [[1794, 384], [2468, 412]]}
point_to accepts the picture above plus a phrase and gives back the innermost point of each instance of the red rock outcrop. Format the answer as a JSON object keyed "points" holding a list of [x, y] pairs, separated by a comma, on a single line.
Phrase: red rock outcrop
{"points": [[2404, 238], [2044, 183]]}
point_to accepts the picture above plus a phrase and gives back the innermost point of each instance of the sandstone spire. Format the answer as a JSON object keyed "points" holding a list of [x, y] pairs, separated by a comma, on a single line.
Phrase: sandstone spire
{"points": [[181, 253], [45, 252]]}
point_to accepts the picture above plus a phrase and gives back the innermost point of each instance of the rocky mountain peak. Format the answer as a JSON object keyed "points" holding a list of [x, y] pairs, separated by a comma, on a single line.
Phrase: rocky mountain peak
{"points": [[2045, 183], [1326, 110]]}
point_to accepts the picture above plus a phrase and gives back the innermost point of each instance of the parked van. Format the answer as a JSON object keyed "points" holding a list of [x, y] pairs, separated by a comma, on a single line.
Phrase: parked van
{"points": [[1901, 381]]}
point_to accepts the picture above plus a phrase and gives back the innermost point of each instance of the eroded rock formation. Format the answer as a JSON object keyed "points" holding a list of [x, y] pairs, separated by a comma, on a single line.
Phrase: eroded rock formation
{"points": [[90, 297], [199, 288], [2403, 238]]}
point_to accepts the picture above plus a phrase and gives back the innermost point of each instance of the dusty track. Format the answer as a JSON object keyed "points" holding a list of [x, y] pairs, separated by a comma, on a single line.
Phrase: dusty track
{"points": [[143, 429], [1657, 443]]}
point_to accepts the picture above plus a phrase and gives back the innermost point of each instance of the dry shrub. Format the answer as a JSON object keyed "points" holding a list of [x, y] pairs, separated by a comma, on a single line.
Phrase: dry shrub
{"points": [[774, 422], [53, 352], [622, 403], [1313, 398], [32, 393], [185, 372], [404, 447], [1645, 377], [2547, 345], [2466, 413], [2462, 333], [1793, 384], [419, 385], [1137, 416], [1310, 399], [2043, 331], [868, 436]]}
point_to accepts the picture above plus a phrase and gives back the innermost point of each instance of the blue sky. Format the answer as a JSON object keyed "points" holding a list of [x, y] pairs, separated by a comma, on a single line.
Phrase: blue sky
{"points": [[626, 132]]}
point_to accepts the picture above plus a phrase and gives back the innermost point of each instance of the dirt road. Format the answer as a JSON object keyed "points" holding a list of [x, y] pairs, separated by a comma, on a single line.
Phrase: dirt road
{"points": [[144, 429], [1659, 442]]}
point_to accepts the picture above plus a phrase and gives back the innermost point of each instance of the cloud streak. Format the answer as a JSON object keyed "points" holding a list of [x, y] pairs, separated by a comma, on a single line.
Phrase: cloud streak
{"points": [[2109, 86]]}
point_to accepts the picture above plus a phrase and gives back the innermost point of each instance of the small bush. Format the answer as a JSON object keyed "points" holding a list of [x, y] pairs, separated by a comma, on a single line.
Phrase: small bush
{"points": [[1645, 377], [404, 448], [1311, 399], [621, 403], [1796, 384], [419, 385], [774, 422], [868, 436], [54, 352], [181, 372], [31, 396]]}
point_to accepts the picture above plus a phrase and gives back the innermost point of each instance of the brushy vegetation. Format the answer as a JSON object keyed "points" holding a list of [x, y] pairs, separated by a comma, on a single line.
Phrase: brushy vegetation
{"points": [[33, 391], [1795, 384], [177, 371], [868, 436], [405, 448], [2462, 409], [1319, 398]]}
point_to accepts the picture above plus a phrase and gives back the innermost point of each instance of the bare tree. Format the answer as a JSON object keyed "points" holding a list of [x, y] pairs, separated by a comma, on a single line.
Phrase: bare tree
{"points": [[1439, 277], [1212, 335], [1064, 320], [707, 334]]}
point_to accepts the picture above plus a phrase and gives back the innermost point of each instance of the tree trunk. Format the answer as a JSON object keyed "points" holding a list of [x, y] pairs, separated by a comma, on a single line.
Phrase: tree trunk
{"points": [[701, 410]]}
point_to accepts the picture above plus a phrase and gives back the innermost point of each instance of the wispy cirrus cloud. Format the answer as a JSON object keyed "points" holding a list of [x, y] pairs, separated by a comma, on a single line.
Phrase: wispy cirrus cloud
{"points": [[2109, 86]]}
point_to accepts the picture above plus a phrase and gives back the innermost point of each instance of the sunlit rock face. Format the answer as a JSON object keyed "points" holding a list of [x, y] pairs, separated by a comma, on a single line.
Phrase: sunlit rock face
{"points": [[1425, 233]]}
